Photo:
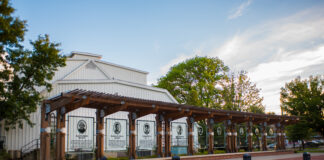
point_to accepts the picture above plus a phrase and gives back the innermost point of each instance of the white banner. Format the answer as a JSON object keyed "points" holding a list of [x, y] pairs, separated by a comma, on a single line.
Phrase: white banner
{"points": [[179, 134], [146, 134], [197, 131], [80, 133], [116, 134]]}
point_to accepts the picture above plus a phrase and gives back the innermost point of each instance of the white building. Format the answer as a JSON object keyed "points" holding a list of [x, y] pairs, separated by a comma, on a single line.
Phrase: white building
{"points": [[87, 71]]}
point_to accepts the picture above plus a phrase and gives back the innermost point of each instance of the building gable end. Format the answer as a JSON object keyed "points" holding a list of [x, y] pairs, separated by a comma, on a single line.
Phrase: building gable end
{"points": [[87, 71]]}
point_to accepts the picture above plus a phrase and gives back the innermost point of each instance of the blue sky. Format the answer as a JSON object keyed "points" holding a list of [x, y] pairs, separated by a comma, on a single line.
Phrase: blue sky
{"points": [[274, 41]]}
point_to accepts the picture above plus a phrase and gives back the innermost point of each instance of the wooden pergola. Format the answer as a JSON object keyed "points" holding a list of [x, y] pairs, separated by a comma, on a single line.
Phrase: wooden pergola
{"points": [[107, 104]]}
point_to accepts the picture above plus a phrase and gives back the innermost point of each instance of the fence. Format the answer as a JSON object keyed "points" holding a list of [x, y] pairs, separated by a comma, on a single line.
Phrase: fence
{"points": [[29, 147]]}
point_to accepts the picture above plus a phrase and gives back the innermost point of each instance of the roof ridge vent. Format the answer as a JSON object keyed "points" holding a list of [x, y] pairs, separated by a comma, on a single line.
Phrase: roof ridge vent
{"points": [[84, 55]]}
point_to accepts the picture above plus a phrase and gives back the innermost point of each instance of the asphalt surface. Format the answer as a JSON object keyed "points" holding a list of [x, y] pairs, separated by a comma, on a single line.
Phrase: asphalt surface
{"points": [[295, 156]]}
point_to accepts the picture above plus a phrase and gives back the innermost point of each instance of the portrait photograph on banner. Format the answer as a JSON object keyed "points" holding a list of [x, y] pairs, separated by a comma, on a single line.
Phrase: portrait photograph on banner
{"points": [[146, 134], [80, 133], [116, 134], [179, 134]]}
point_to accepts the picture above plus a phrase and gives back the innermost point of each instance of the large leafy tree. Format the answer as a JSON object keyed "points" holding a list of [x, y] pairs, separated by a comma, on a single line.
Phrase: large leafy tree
{"points": [[204, 81], [300, 131], [193, 81], [305, 98], [240, 94], [23, 72]]}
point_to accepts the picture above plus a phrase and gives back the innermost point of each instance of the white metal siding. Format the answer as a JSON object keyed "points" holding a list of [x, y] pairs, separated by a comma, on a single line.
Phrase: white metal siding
{"points": [[16, 138], [70, 66], [87, 72], [113, 88], [123, 74]]}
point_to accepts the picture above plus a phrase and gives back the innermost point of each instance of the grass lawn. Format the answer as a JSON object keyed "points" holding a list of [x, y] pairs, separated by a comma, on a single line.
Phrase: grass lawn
{"points": [[312, 150]]}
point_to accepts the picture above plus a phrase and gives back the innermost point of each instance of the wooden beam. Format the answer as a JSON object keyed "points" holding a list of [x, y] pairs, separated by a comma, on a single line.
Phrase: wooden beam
{"points": [[60, 136], [201, 117], [159, 149], [260, 120], [173, 114], [228, 137], [234, 137], [190, 148], [249, 132], [167, 139], [75, 105], [241, 120], [264, 137], [100, 135], [44, 136], [117, 101], [60, 103], [227, 117], [147, 112], [185, 114], [210, 129], [132, 135], [115, 109]]}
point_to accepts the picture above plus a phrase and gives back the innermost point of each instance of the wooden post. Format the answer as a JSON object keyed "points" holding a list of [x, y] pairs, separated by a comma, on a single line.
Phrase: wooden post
{"points": [[132, 144], [278, 135], [250, 134], [167, 138], [100, 133], [60, 134], [45, 135], [210, 125], [264, 136], [190, 122], [228, 136], [283, 134], [234, 138], [159, 118]]}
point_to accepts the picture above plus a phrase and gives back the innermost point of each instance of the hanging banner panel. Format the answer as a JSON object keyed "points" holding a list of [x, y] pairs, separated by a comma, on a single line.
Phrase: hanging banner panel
{"points": [[196, 131], [179, 134], [116, 130], [80, 133], [242, 136], [219, 135], [146, 134]]}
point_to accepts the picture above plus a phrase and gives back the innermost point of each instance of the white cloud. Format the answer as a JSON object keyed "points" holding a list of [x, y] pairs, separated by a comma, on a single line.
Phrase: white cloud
{"points": [[273, 75], [239, 10], [274, 52]]}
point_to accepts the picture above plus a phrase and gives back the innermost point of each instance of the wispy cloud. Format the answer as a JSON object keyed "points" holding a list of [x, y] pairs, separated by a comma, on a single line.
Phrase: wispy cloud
{"points": [[274, 54], [240, 10]]}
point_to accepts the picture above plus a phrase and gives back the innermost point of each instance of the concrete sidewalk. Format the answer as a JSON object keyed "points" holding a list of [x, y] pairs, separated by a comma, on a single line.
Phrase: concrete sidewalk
{"points": [[295, 156]]}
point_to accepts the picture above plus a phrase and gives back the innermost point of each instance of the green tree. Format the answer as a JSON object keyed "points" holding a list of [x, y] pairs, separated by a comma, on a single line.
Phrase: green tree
{"points": [[305, 98], [193, 81], [240, 94], [23, 72], [300, 131]]}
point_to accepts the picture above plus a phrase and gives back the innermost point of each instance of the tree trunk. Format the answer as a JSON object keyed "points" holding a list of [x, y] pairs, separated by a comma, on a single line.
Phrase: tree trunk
{"points": [[303, 144]]}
